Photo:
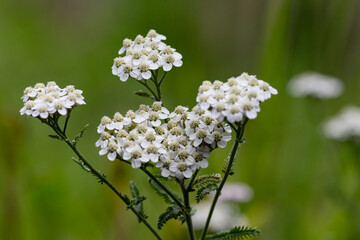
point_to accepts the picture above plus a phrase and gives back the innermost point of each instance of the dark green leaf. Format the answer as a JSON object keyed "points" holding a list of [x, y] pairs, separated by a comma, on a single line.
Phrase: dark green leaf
{"points": [[205, 190], [137, 200], [143, 94], [171, 212], [77, 138], [206, 179], [56, 137], [236, 233], [162, 193]]}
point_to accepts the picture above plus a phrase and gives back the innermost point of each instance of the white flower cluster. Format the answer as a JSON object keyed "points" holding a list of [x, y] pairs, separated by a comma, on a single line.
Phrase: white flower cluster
{"points": [[344, 126], [315, 85], [179, 142], [237, 98], [143, 55], [41, 101]]}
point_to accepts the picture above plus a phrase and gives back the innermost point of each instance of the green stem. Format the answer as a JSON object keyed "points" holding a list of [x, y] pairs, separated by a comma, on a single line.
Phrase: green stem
{"points": [[238, 139], [162, 78], [66, 121], [187, 215], [188, 189], [101, 177], [153, 93]]}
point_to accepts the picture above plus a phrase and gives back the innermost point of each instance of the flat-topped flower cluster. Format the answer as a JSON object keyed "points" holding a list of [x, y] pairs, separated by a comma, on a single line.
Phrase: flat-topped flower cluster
{"points": [[143, 55], [42, 100], [178, 142], [235, 99]]}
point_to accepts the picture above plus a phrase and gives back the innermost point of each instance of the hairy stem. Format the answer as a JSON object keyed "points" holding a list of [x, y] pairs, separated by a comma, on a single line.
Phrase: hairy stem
{"points": [[102, 178], [238, 139]]}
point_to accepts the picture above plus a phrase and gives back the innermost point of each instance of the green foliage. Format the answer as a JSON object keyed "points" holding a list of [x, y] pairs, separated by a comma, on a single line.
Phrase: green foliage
{"points": [[206, 179], [171, 212], [227, 163], [56, 137], [235, 233], [159, 191], [205, 190], [143, 94], [81, 164], [77, 138], [137, 200]]}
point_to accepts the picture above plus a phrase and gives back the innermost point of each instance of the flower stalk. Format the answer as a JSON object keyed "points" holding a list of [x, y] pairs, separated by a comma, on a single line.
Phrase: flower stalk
{"points": [[239, 134]]}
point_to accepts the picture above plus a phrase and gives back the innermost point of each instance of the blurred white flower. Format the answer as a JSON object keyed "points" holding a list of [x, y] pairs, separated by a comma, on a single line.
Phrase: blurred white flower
{"points": [[315, 85], [344, 126], [225, 216], [236, 192]]}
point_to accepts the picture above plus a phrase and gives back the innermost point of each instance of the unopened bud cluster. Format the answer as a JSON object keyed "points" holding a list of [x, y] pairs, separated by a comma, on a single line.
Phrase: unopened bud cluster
{"points": [[178, 142], [143, 55], [235, 99], [42, 100]]}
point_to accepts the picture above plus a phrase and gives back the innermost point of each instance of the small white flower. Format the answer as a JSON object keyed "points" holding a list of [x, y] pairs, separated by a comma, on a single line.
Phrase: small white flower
{"points": [[126, 44], [110, 150], [154, 36], [170, 60], [181, 170], [135, 153]]}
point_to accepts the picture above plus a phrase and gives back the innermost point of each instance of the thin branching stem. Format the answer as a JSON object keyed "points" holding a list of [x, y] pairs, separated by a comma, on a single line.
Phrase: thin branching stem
{"points": [[66, 122], [189, 187], [239, 134], [53, 124], [187, 205], [162, 78], [149, 88]]}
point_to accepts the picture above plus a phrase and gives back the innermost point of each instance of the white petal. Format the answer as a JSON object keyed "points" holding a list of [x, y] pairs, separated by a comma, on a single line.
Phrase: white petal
{"points": [[111, 156], [146, 75], [178, 63], [167, 67], [197, 142], [124, 76], [188, 173], [103, 151]]}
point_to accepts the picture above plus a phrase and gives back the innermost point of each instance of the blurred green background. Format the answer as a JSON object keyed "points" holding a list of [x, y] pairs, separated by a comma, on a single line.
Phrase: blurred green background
{"points": [[306, 187]]}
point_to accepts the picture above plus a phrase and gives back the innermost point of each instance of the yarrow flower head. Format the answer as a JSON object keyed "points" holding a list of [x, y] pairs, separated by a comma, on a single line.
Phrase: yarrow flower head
{"points": [[144, 54], [43, 100], [315, 85], [178, 143], [235, 99], [344, 126]]}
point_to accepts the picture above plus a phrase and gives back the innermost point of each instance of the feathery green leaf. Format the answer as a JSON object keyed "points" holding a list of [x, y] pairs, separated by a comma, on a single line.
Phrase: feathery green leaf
{"points": [[171, 212], [206, 179], [77, 138], [205, 190], [237, 233], [159, 191], [137, 200]]}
